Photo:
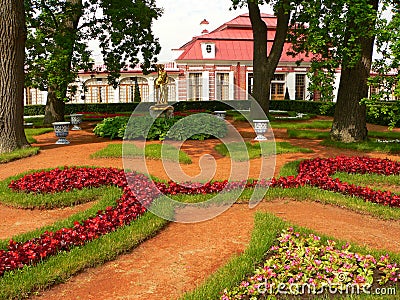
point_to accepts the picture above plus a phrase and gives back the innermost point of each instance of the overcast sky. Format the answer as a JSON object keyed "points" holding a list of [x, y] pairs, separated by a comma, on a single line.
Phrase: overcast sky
{"points": [[181, 21]]}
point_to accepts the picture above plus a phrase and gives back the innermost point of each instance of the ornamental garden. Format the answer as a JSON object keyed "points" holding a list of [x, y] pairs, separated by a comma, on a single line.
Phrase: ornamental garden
{"points": [[282, 260]]}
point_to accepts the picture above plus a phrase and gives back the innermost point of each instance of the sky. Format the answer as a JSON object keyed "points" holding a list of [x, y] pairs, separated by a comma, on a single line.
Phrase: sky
{"points": [[181, 21]]}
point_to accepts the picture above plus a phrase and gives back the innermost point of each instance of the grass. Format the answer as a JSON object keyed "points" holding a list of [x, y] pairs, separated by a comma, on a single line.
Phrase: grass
{"points": [[45, 201], [25, 152], [266, 228], [367, 146], [316, 124], [56, 269], [59, 268], [18, 154], [237, 150], [152, 151], [31, 132], [307, 134]]}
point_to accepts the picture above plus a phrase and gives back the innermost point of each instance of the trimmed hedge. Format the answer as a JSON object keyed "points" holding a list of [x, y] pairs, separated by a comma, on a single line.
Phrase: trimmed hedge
{"points": [[302, 106], [32, 110], [311, 107]]}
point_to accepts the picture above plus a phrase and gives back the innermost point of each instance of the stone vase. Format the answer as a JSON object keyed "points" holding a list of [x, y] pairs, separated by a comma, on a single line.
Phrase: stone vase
{"points": [[61, 129], [260, 128], [76, 119]]}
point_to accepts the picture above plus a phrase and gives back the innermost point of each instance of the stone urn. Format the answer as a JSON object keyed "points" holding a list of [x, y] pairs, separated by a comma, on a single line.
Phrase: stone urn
{"points": [[76, 119], [61, 129], [220, 114], [260, 127]]}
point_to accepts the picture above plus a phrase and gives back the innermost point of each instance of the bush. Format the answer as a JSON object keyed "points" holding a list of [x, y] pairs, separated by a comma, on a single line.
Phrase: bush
{"points": [[204, 126], [147, 127], [110, 127], [175, 128]]}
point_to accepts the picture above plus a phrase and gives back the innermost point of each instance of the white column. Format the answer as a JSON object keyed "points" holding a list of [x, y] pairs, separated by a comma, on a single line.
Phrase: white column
{"points": [[232, 85], [206, 85], [152, 95], [291, 84]]}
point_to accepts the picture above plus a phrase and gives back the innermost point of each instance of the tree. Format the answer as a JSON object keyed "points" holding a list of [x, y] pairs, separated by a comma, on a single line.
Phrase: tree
{"points": [[386, 83], [264, 63], [58, 33], [12, 43], [340, 34]]}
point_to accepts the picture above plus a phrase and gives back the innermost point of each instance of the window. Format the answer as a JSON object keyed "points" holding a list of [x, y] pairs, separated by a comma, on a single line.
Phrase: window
{"points": [[300, 86], [278, 87], [222, 86], [195, 86], [132, 85], [33, 96], [171, 89], [250, 80], [208, 48], [98, 91]]}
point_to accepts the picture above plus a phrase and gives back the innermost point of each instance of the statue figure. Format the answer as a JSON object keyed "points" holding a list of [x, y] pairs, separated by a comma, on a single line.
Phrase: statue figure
{"points": [[161, 83]]}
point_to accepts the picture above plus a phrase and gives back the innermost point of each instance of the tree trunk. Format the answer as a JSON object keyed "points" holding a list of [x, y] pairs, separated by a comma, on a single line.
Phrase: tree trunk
{"points": [[349, 123], [55, 108], [264, 65], [56, 93], [12, 51]]}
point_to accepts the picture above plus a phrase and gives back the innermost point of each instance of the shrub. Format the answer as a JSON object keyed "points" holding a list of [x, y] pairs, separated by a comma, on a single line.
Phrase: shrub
{"points": [[110, 127], [176, 128], [203, 125], [147, 127]]}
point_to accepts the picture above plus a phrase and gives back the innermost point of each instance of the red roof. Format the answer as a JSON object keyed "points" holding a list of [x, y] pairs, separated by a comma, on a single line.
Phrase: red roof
{"points": [[234, 41]]}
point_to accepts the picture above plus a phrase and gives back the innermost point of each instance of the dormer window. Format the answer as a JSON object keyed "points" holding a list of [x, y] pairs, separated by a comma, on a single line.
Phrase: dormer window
{"points": [[208, 50]]}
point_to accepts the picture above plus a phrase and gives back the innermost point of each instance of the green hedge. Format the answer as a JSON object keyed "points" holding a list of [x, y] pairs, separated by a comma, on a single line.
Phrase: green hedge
{"points": [[311, 107], [32, 110], [301, 106]]}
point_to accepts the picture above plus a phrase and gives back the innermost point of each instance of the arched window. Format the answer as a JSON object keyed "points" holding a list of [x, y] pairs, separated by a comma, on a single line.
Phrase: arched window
{"points": [[97, 90], [133, 89]]}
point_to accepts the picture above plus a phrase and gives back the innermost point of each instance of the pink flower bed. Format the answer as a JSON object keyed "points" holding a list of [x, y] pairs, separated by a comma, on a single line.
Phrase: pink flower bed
{"points": [[141, 192]]}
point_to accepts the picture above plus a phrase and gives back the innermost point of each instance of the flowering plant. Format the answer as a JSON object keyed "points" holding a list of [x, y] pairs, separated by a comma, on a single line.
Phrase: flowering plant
{"points": [[141, 191], [301, 264]]}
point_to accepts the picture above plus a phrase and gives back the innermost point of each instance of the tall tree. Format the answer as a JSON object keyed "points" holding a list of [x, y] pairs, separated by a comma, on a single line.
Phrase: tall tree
{"points": [[58, 35], [386, 66], [12, 43], [341, 34], [264, 63]]}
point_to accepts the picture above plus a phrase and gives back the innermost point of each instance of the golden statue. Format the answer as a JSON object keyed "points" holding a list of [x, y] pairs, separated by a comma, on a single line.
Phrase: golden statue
{"points": [[161, 85]]}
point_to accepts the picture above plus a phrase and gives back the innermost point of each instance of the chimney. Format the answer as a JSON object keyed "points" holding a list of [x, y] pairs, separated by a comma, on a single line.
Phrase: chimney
{"points": [[204, 24]]}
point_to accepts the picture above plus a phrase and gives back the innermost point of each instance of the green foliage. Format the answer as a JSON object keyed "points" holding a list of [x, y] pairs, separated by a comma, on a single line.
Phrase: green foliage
{"points": [[110, 127], [33, 110], [195, 127], [301, 106], [203, 126], [332, 32], [147, 127], [386, 83], [58, 33]]}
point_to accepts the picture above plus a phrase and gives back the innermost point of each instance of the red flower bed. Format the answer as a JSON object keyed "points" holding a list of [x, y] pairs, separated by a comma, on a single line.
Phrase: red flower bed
{"points": [[97, 115], [141, 192]]}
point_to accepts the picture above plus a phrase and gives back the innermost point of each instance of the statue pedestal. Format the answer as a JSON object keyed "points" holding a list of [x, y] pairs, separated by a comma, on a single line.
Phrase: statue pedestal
{"points": [[161, 110]]}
